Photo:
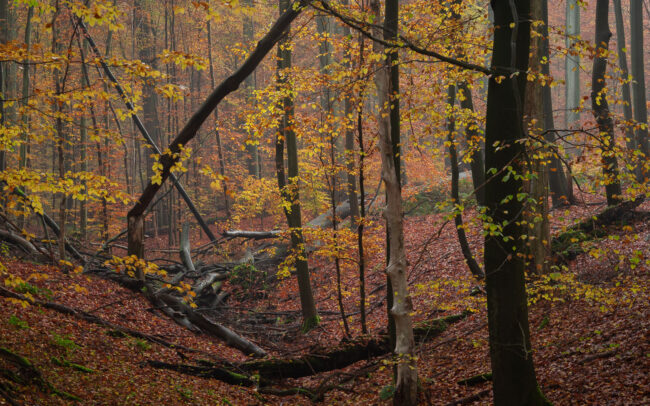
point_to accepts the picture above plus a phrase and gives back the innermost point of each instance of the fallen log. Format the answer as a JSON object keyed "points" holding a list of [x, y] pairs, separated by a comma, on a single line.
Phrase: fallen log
{"points": [[469, 399], [322, 360], [175, 308], [252, 235], [19, 241], [567, 245], [476, 379]]}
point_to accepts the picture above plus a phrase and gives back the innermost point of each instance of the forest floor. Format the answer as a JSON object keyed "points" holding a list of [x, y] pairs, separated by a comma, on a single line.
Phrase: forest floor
{"points": [[589, 321]]}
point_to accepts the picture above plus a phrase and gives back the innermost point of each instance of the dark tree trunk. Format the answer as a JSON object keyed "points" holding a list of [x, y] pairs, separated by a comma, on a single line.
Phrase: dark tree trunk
{"points": [[473, 266], [638, 85], [601, 108], [289, 186], [510, 349], [625, 74]]}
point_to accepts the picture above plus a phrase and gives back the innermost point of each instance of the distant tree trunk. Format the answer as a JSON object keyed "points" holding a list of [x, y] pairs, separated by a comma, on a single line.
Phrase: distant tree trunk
{"points": [[407, 378], [471, 134], [350, 153], [473, 266], [24, 147], [600, 106], [222, 166], [625, 76], [572, 73], [514, 381], [83, 139], [289, 187], [362, 201], [60, 135], [638, 85], [252, 151], [539, 238], [5, 24], [559, 183]]}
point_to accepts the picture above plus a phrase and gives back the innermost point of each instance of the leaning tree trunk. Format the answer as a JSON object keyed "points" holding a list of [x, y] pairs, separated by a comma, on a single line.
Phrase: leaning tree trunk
{"points": [[402, 308], [638, 85], [600, 106], [514, 380]]}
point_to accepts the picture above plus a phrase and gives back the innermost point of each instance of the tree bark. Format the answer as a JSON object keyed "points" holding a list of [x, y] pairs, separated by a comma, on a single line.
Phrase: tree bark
{"points": [[289, 186], [625, 76], [473, 266], [510, 349], [572, 72], [402, 307], [226, 87], [600, 106], [638, 86]]}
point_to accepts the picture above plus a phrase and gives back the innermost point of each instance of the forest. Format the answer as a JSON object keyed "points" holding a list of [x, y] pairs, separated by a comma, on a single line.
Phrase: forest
{"points": [[363, 202]]}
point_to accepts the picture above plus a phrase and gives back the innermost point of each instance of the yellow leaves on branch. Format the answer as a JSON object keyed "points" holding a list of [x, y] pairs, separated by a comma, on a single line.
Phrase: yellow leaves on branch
{"points": [[178, 158], [184, 60], [98, 13]]}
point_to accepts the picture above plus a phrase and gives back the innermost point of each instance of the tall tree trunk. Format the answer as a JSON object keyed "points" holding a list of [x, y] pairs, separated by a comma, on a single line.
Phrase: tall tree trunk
{"points": [[252, 151], [390, 31], [222, 166], [572, 72], [638, 85], [539, 238], [60, 135], [625, 75], [559, 183], [5, 24], [473, 266], [402, 306], [600, 106], [514, 381], [24, 147], [289, 187], [350, 153], [362, 200]]}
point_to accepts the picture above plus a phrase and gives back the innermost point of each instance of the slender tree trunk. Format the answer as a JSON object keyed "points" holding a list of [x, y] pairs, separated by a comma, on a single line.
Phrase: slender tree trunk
{"points": [[559, 183], [350, 153], [514, 381], [600, 106], [289, 188], [473, 266], [25, 90], [362, 200], [625, 75], [222, 166], [252, 151], [638, 86], [402, 307], [572, 73]]}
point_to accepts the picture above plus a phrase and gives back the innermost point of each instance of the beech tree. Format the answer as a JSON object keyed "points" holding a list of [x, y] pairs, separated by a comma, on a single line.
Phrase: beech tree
{"points": [[513, 373]]}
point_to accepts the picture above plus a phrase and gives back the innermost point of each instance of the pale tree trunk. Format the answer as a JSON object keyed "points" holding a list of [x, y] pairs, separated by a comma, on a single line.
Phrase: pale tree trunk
{"points": [[407, 377], [572, 73], [539, 239], [289, 186], [24, 147], [252, 151], [511, 355], [600, 106], [559, 181], [638, 85], [625, 75]]}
